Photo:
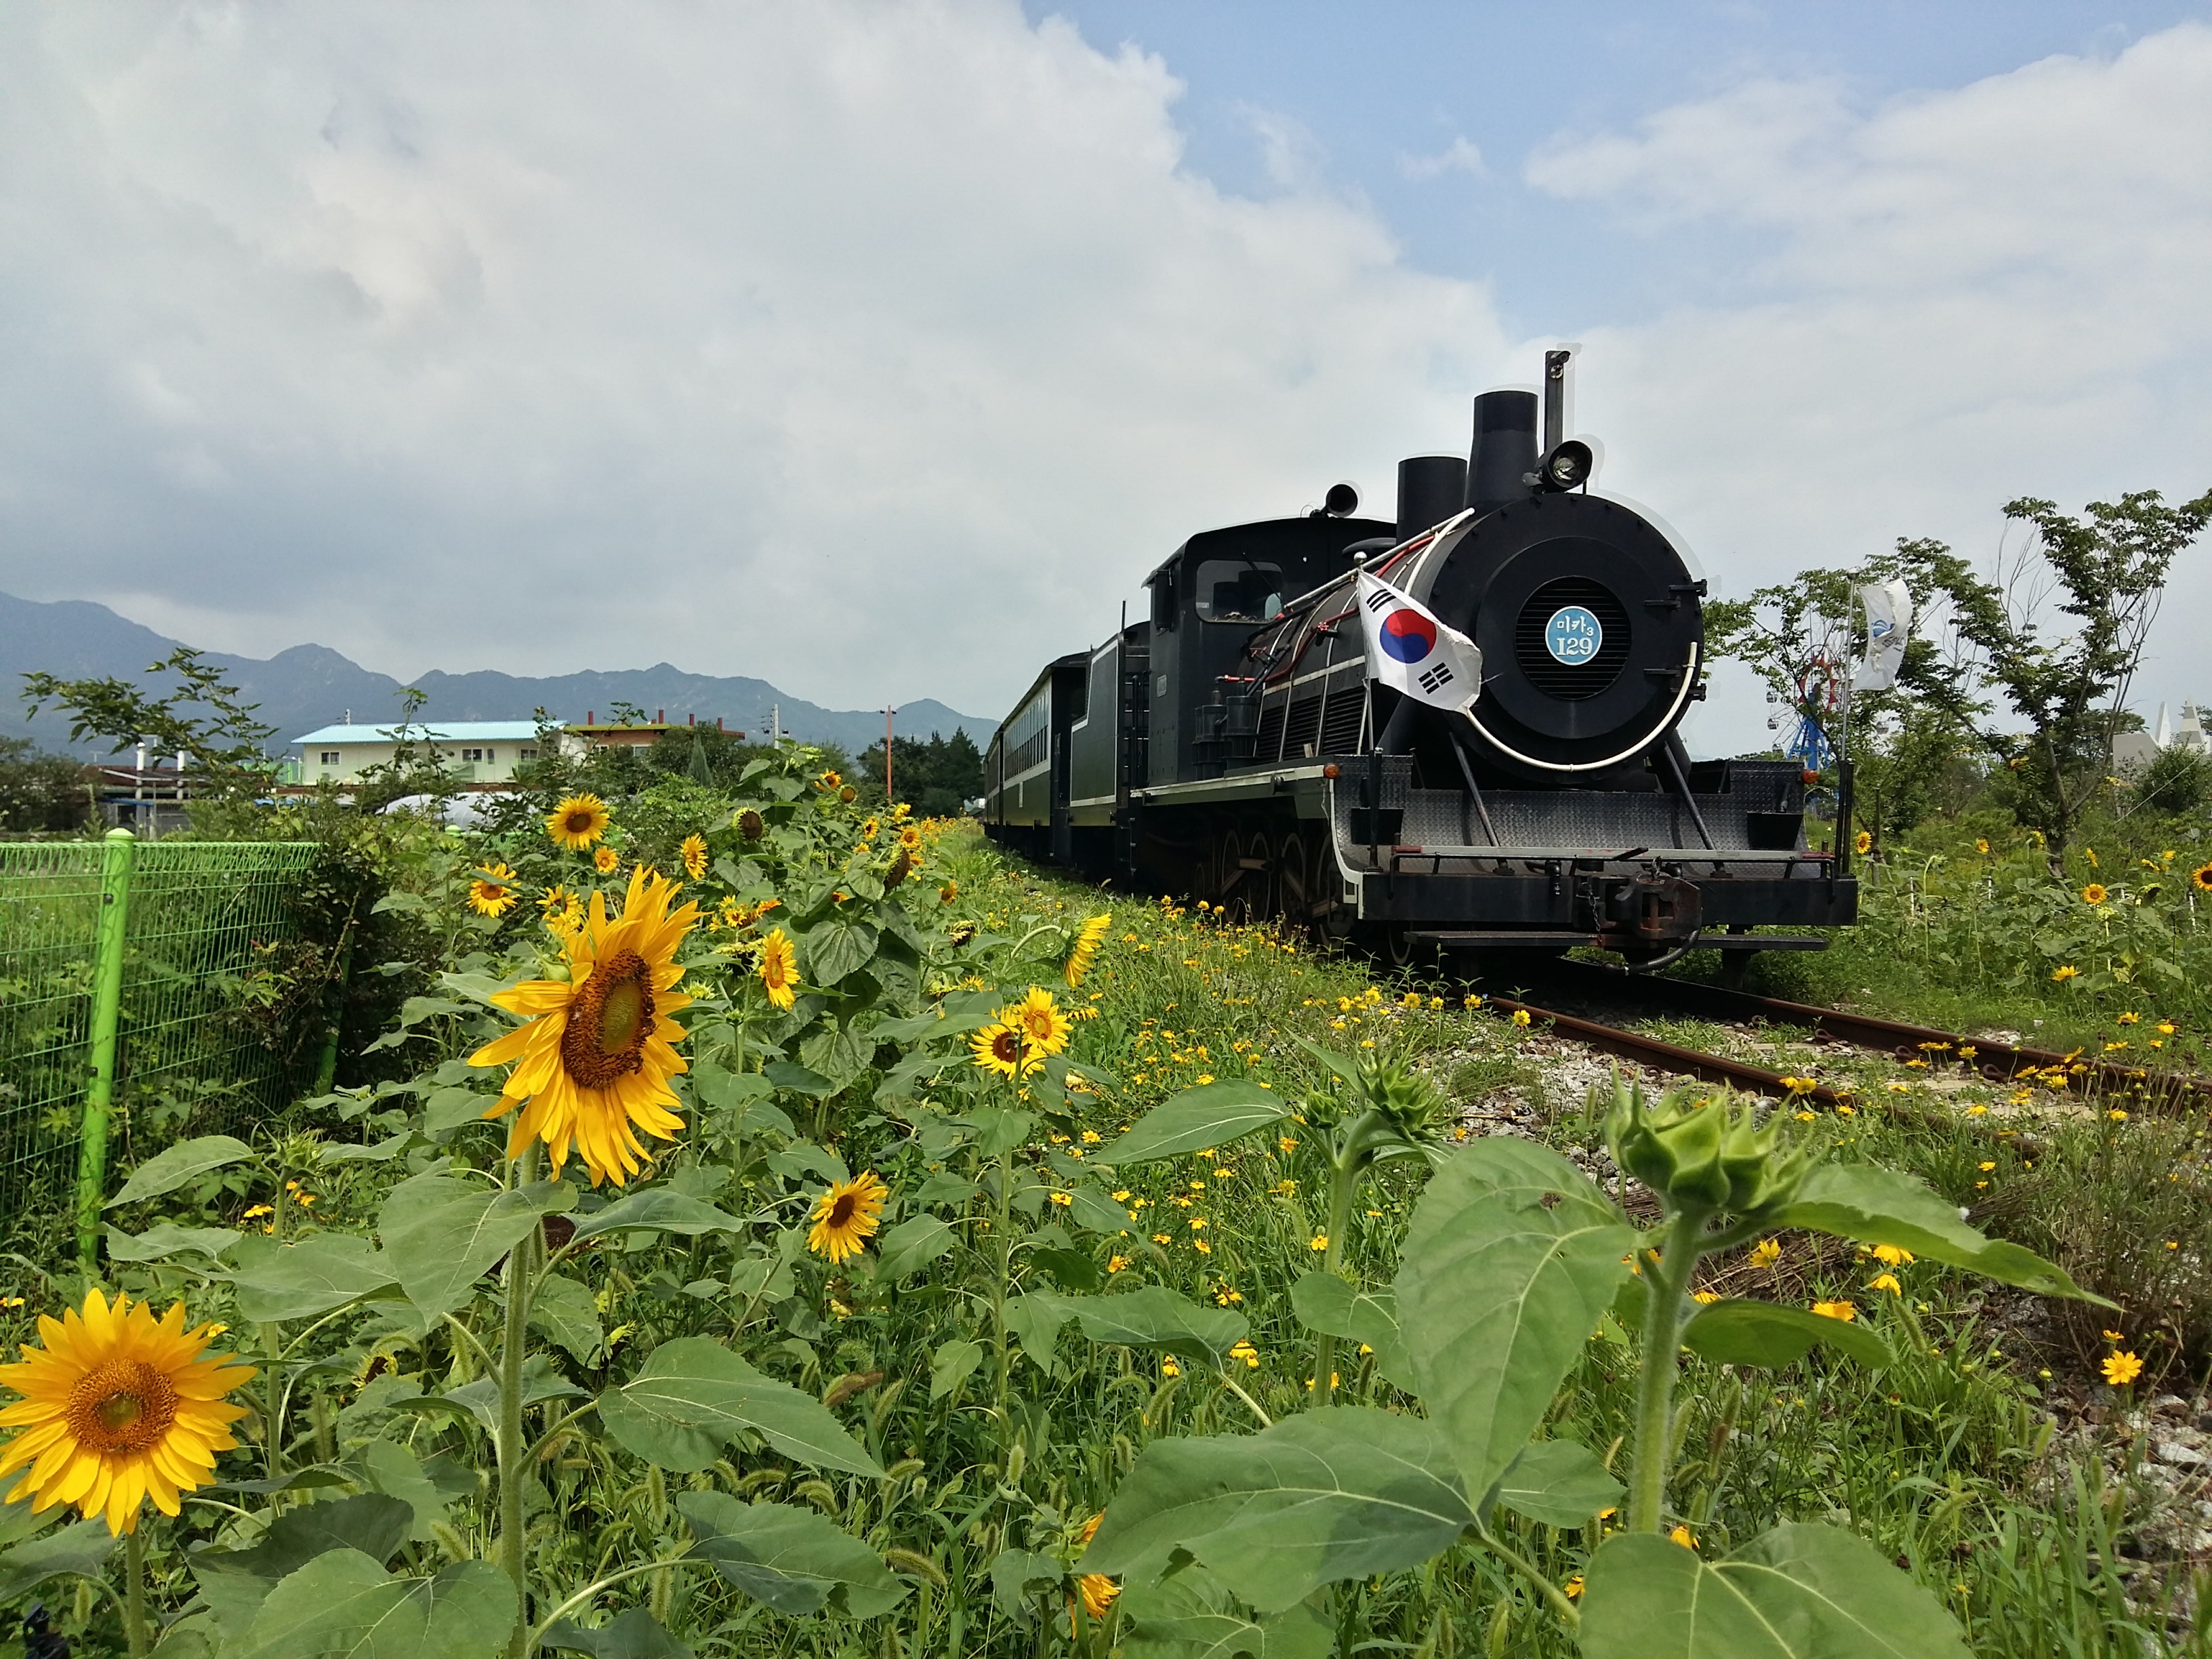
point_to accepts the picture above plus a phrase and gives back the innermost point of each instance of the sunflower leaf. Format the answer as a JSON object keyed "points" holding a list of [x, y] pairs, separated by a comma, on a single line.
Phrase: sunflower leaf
{"points": [[795, 1559], [345, 1604], [699, 1388], [172, 1167], [277, 1281], [912, 1245], [1888, 1206], [835, 948], [1212, 1115], [80, 1549], [658, 1209], [441, 1235], [158, 1243]]}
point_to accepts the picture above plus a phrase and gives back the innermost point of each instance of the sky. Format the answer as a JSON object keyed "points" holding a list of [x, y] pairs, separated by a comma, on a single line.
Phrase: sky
{"points": [[879, 349]]}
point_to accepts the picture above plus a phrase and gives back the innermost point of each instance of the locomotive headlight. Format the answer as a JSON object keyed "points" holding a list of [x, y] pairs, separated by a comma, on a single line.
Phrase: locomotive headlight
{"points": [[1567, 467]]}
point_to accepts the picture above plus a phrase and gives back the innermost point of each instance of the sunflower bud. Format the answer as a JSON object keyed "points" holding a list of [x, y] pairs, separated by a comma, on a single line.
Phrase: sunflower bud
{"points": [[900, 866], [848, 795], [1704, 1154]]}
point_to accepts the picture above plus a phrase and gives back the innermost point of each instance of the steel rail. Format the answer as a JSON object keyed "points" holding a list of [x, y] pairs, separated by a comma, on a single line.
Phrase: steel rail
{"points": [[1997, 1062]]}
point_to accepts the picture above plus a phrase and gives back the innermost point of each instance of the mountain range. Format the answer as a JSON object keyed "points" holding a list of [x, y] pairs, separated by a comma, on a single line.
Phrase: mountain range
{"points": [[311, 685]]}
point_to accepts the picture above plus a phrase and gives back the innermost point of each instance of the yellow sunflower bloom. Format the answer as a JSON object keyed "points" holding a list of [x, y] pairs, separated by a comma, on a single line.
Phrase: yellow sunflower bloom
{"points": [[578, 821], [778, 968], [949, 892], [2201, 875], [1088, 938], [1043, 1027], [695, 856], [2093, 893], [1862, 842], [999, 1047], [2068, 971], [117, 1408], [563, 912], [1095, 1590], [595, 1058], [492, 893], [846, 1216], [604, 860]]}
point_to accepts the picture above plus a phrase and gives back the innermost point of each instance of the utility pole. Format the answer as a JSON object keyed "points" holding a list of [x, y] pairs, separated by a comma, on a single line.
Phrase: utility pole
{"points": [[888, 712]]}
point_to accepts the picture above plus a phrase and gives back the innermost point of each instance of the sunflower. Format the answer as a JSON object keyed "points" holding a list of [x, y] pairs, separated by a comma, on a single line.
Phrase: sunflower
{"points": [[1096, 1591], [492, 893], [117, 1408], [2201, 875], [778, 968], [751, 824], [951, 891], [1862, 841], [846, 1216], [693, 853], [999, 1047], [561, 910], [1088, 938], [910, 835], [2093, 893], [1044, 1028], [578, 821], [604, 860], [597, 1054]]}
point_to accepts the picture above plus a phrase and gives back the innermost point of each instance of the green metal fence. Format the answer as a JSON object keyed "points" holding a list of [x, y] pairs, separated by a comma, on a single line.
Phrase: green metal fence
{"points": [[121, 964]]}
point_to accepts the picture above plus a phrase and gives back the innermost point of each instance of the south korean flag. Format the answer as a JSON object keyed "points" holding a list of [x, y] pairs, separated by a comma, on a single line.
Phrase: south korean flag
{"points": [[1410, 651]]}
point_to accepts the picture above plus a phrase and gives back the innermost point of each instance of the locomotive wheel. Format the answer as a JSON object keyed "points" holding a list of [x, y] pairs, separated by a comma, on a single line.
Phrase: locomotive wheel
{"points": [[1294, 881], [1261, 882], [1229, 874]]}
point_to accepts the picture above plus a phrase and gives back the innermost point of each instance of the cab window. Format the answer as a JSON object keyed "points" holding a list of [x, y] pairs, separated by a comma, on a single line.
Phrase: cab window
{"points": [[1239, 591]]}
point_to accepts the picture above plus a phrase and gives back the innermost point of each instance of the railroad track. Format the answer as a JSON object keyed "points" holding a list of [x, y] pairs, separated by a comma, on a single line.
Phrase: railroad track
{"points": [[1998, 1063]]}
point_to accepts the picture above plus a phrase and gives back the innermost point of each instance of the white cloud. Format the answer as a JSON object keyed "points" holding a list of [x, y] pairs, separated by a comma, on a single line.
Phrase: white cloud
{"points": [[1955, 299], [1458, 156], [875, 350]]}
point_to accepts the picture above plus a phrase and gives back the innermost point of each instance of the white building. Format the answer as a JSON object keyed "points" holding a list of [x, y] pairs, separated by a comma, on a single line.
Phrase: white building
{"points": [[2132, 751], [474, 751]]}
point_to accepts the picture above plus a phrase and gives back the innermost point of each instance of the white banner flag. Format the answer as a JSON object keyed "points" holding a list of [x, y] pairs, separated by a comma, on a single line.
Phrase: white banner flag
{"points": [[1409, 650], [1889, 625]]}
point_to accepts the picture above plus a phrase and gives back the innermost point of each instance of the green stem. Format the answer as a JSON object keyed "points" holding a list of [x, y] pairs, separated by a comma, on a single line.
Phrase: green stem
{"points": [[589, 1591], [1520, 1564], [512, 1454], [1665, 1283], [1346, 1167], [1002, 1229], [134, 1605]]}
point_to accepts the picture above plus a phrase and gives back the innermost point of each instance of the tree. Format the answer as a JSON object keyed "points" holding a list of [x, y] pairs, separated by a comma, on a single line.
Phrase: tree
{"points": [[1804, 637], [40, 791], [934, 777], [223, 747], [2064, 675]]}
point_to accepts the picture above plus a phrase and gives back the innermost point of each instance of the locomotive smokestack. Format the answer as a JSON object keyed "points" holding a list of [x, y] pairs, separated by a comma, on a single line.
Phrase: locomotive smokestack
{"points": [[1505, 452], [1431, 489]]}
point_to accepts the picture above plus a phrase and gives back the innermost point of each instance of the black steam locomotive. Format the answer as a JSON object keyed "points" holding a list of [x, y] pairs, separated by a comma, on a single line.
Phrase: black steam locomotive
{"points": [[1235, 747]]}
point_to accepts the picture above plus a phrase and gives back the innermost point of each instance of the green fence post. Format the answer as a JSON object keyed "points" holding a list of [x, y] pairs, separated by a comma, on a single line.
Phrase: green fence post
{"points": [[116, 855]]}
